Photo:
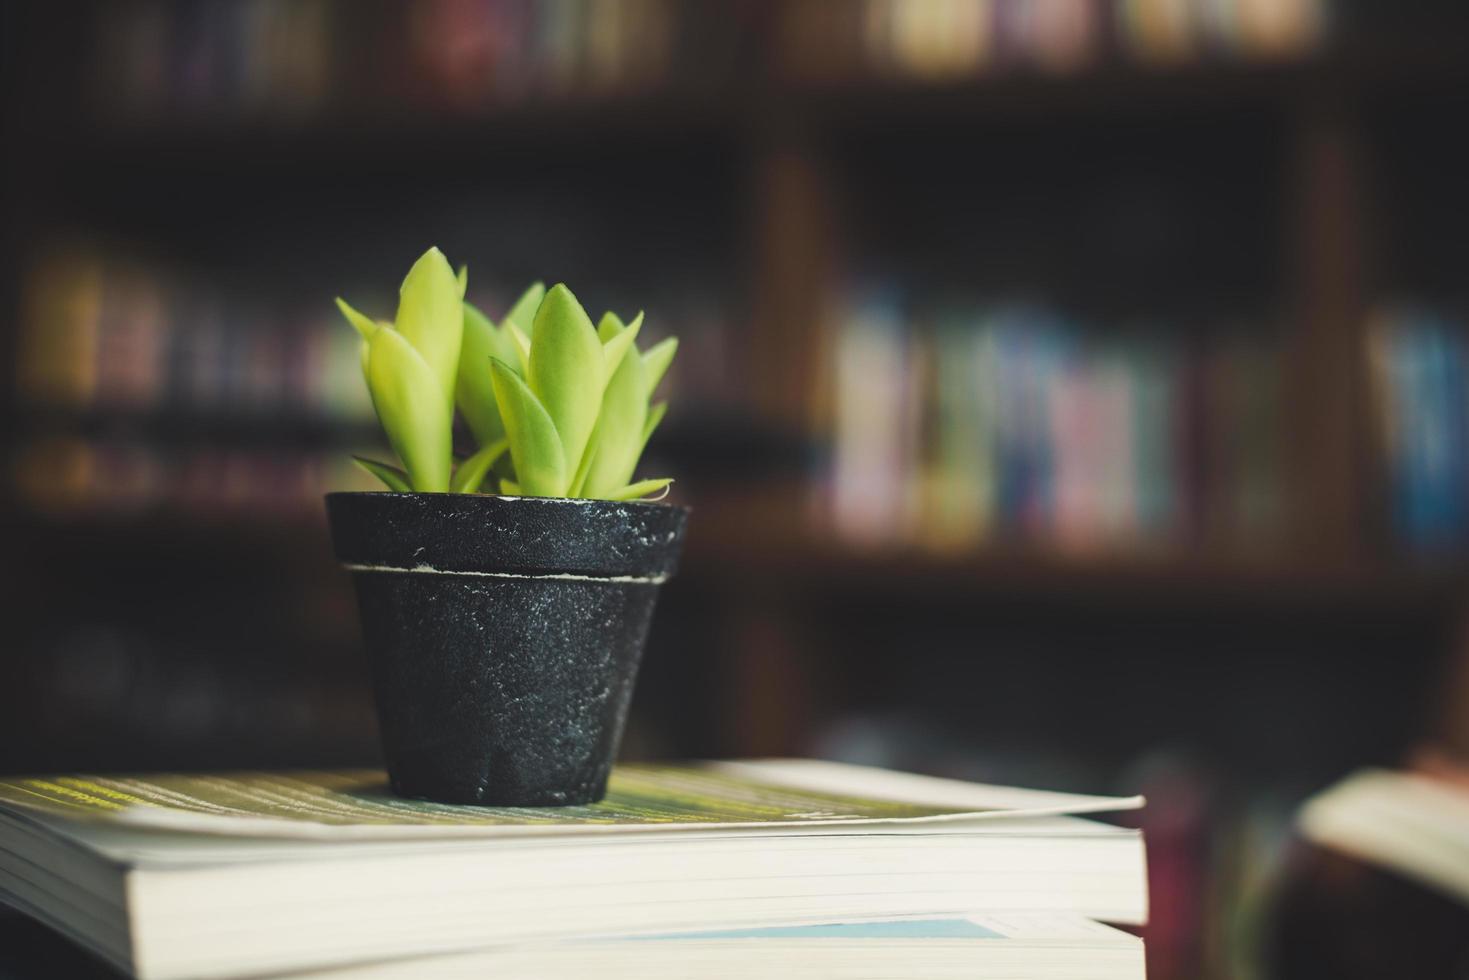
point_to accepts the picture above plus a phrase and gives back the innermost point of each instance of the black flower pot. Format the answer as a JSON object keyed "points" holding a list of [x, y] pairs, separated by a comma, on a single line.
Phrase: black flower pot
{"points": [[505, 635]]}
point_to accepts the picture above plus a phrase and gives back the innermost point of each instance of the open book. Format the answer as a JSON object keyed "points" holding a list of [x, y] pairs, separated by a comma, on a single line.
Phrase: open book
{"points": [[232, 874], [1410, 824]]}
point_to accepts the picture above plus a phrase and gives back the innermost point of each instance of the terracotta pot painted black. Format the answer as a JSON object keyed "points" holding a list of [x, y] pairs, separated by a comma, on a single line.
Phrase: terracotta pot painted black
{"points": [[505, 635]]}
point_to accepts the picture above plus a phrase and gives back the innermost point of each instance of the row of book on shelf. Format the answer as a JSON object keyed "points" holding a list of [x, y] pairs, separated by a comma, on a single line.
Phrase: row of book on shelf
{"points": [[953, 423], [143, 384], [102, 331], [957, 38], [301, 58], [963, 422]]}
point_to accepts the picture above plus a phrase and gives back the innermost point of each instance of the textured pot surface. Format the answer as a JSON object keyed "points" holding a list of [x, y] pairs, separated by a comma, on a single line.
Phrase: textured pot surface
{"points": [[505, 635], [478, 533]]}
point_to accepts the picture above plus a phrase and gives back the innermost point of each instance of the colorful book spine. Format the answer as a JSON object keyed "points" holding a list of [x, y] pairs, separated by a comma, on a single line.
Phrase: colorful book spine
{"points": [[875, 424], [1417, 360]]}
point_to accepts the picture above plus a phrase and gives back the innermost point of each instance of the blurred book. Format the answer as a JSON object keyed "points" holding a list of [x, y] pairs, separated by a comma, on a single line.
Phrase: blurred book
{"points": [[1412, 825], [1378, 884], [1418, 361], [173, 876]]}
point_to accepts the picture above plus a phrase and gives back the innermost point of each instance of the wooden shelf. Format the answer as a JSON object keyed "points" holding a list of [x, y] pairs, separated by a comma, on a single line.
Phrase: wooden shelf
{"points": [[712, 108], [772, 550], [278, 429], [765, 552]]}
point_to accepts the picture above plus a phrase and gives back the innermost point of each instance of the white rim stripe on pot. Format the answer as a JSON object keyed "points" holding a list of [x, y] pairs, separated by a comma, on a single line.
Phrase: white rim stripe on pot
{"points": [[559, 576]]}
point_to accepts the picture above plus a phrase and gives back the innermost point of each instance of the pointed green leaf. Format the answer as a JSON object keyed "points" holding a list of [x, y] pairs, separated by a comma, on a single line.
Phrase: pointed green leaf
{"points": [[640, 489], [413, 413], [535, 445], [365, 325], [619, 431], [655, 415], [523, 313], [608, 327], [656, 360], [394, 478], [509, 487], [471, 473], [431, 317], [463, 280], [566, 370], [580, 480], [521, 344], [474, 392], [618, 346]]}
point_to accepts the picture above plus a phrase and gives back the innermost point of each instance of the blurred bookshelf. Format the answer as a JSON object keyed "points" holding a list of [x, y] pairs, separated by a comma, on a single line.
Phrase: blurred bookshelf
{"points": [[1096, 360]]}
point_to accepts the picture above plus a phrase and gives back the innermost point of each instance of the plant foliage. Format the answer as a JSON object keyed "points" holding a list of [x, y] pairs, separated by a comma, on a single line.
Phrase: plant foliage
{"points": [[558, 407]]}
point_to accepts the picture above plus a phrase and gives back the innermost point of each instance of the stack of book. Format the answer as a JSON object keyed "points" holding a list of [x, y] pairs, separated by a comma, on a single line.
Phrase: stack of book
{"points": [[963, 424], [798, 868]]}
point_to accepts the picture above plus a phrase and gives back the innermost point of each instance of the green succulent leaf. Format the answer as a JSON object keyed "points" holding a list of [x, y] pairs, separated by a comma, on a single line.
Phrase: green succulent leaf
{"points": [[411, 408], [655, 415], [640, 489], [656, 360], [520, 343], [580, 479], [608, 326], [620, 425], [535, 443], [394, 478], [566, 370], [431, 317], [523, 313], [474, 392], [617, 346], [470, 475], [365, 325], [559, 408]]}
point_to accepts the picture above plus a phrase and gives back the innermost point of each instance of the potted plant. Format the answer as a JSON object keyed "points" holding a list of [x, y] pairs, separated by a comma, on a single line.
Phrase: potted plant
{"points": [[505, 599]]}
